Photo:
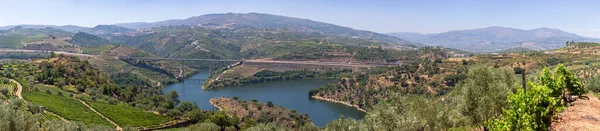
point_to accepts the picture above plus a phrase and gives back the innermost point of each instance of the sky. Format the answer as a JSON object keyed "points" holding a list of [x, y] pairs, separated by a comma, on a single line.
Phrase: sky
{"points": [[423, 16]]}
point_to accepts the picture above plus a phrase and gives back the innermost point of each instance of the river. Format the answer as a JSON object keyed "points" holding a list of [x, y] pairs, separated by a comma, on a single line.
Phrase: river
{"points": [[291, 94]]}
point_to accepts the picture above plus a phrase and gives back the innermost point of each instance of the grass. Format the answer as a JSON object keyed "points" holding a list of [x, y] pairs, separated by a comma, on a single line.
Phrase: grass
{"points": [[11, 41], [64, 106], [129, 116], [35, 38], [48, 117]]}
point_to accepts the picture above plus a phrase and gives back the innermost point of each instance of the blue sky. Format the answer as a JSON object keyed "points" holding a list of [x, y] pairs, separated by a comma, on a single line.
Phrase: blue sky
{"points": [[578, 16]]}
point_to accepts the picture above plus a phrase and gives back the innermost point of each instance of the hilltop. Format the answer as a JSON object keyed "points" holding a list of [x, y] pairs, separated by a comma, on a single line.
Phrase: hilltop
{"points": [[266, 21], [496, 38]]}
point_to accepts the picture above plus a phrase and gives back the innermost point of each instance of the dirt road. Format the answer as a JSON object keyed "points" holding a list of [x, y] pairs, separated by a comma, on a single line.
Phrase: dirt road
{"points": [[19, 89]]}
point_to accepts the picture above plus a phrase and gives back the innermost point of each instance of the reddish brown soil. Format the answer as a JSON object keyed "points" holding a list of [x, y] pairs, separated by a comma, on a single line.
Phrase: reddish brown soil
{"points": [[581, 115]]}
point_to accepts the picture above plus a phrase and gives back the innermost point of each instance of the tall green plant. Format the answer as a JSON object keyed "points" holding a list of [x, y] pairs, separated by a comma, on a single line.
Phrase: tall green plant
{"points": [[534, 109]]}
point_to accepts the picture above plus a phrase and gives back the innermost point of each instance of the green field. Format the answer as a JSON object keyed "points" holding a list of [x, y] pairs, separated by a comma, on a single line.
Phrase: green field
{"points": [[11, 41], [129, 116], [64, 106], [35, 38]]}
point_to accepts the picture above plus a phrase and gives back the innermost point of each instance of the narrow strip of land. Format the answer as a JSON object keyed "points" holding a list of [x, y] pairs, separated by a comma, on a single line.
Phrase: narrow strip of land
{"points": [[341, 102]]}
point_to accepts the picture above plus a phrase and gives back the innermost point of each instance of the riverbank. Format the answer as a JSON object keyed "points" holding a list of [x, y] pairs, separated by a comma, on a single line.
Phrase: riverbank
{"points": [[211, 101], [341, 102]]}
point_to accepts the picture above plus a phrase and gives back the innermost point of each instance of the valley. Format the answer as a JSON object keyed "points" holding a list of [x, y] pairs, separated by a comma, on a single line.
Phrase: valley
{"points": [[254, 71]]}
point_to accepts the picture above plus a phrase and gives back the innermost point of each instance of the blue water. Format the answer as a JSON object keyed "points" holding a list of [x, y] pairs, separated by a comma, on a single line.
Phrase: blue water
{"points": [[291, 94]]}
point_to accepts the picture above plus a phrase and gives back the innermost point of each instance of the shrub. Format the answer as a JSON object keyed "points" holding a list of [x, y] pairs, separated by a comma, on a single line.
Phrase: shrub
{"points": [[593, 84]]}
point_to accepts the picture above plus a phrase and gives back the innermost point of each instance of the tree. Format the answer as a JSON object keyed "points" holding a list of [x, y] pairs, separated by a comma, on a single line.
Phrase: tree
{"points": [[482, 95], [185, 106], [221, 119], [270, 103]]}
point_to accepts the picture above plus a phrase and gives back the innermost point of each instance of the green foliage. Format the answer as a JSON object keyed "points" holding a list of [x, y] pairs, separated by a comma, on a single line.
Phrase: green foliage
{"points": [[593, 84], [58, 125], [129, 116], [483, 94], [11, 41], [555, 60], [35, 38], [85, 39], [528, 111], [64, 106], [534, 109], [206, 126], [15, 119]]}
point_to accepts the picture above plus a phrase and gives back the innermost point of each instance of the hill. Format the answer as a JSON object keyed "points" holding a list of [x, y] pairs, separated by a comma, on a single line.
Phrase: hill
{"points": [[257, 20], [107, 29], [235, 42], [39, 39], [69, 28], [495, 38], [85, 39]]}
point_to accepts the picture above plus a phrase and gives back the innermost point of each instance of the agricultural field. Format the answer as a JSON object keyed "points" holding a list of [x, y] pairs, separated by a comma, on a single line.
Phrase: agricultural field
{"points": [[11, 41], [30, 39], [125, 115], [64, 106]]}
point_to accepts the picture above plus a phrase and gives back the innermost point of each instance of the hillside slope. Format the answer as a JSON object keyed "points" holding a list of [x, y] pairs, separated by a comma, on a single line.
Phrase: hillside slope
{"points": [[495, 38], [257, 20]]}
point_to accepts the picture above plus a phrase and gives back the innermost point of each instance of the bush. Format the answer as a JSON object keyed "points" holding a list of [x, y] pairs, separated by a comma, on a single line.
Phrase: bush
{"points": [[483, 94], [534, 109], [531, 110], [593, 84]]}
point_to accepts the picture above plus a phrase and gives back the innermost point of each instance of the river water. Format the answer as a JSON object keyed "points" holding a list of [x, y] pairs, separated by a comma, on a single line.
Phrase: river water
{"points": [[291, 94]]}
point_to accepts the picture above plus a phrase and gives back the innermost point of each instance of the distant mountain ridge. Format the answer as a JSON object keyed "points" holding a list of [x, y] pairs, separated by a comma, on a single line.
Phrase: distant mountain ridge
{"points": [[69, 28], [496, 38], [99, 29], [258, 20]]}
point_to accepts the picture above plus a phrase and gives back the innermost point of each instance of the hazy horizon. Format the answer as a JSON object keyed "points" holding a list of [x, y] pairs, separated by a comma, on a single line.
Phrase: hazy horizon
{"points": [[384, 17]]}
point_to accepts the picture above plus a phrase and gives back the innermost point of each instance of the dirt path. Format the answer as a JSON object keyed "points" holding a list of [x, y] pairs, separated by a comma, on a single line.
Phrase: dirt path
{"points": [[19, 89], [100, 114], [583, 114], [20, 96]]}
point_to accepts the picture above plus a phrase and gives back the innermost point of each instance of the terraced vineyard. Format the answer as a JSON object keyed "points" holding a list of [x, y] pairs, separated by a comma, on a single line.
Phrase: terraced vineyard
{"points": [[64, 106], [9, 87], [129, 116]]}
